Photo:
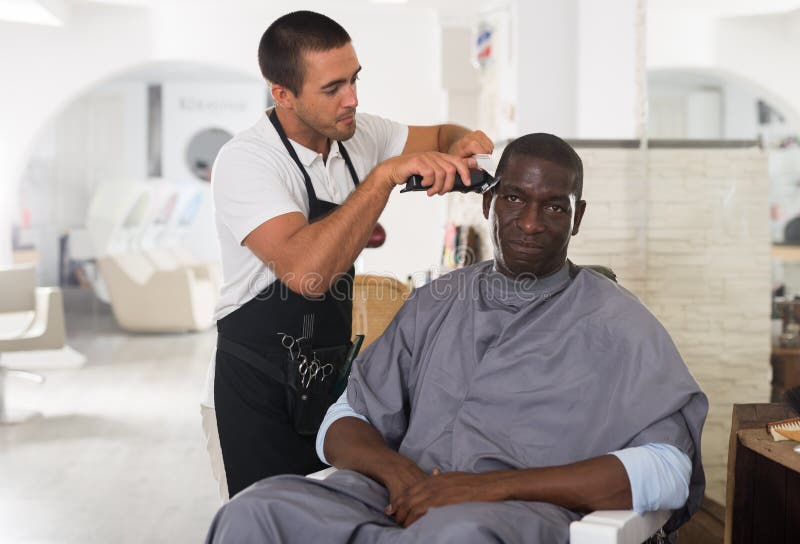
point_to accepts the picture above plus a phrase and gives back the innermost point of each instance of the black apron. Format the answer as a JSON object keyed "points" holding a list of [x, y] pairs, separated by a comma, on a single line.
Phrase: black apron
{"points": [[268, 410]]}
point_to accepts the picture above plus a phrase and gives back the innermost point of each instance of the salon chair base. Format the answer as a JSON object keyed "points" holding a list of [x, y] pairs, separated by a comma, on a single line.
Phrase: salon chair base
{"points": [[13, 416]]}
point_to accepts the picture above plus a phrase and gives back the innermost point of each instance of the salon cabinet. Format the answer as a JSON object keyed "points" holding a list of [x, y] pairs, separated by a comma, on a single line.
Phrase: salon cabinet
{"points": [[763, 495], [785, 371]]}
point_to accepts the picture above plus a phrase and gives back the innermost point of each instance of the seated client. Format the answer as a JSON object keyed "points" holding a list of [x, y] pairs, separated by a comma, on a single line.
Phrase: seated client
{"points": [[504, 399]]}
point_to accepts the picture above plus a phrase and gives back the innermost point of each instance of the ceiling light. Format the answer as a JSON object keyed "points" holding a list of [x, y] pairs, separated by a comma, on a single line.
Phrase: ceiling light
{"points": [[27, 11]]}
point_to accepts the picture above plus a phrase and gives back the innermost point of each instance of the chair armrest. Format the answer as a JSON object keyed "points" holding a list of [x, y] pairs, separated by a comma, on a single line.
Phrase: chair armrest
{"points": [[617, 527], [46, 330], [30, 376], [49, 322], [322, 474]]}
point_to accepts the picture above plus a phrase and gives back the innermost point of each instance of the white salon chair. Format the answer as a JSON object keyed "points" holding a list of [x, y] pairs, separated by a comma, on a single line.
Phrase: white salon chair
{"points": [[174, 258], [146, 298], [599, 527], [31, 319]]}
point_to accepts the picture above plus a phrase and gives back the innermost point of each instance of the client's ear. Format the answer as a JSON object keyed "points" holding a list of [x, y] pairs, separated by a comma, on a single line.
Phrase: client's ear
{"points": [[580, 209], [487, 202]]}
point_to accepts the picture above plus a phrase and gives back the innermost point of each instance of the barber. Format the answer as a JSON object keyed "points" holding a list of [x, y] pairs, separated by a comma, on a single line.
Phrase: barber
{"points": [[296, 198]]}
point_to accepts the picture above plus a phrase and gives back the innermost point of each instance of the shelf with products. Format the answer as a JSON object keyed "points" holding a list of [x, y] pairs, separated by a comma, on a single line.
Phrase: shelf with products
{"points": [[461, 246]]}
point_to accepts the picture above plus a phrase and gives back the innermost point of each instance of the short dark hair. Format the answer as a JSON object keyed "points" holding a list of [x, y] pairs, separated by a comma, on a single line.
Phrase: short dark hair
{"points": [[280, 52], [548, 147]]}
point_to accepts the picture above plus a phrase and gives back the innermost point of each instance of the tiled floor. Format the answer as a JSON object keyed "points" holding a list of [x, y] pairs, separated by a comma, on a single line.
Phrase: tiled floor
{"points": [[118, 456]]}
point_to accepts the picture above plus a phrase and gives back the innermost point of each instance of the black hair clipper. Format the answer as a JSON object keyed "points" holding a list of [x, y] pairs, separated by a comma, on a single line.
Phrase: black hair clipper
{"points": [[481, 180]]}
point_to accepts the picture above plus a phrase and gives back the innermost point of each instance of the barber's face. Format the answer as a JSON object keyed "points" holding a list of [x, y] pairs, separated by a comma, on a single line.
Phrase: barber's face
{"points": [[327, 101], [532, 214]]}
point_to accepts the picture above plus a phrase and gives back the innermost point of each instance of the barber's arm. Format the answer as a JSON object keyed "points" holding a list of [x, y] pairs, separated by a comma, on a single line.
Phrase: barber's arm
{"points": [[308, 257], [453, 139]]}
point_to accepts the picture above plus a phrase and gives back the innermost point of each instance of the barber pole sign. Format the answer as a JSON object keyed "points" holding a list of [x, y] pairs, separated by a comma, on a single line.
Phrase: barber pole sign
{"points": [[483, 45]]}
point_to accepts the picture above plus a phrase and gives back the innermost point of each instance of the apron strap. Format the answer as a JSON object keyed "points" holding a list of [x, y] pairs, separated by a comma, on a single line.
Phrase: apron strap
{"points": [[255, 360], [312, 195], [349, 163], [273, 117]]}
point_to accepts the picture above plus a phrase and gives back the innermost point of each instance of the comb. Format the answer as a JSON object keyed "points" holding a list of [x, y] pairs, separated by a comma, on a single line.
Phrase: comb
{"points": [[786, 429]]}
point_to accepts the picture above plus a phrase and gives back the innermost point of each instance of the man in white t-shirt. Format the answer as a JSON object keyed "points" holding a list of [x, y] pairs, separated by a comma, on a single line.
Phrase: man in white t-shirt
{"points": [[296, 198]]}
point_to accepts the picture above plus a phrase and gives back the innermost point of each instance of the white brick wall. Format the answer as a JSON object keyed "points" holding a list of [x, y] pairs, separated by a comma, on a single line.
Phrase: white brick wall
{"points": [[687, 230]]}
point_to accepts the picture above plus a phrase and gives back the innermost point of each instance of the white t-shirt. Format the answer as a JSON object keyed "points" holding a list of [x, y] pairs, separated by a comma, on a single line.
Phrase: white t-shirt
{"points": [[254, 179]]}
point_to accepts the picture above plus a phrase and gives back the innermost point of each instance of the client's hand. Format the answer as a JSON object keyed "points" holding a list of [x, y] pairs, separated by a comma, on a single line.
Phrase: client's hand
{"points": [[440, 490], [403, 476]]}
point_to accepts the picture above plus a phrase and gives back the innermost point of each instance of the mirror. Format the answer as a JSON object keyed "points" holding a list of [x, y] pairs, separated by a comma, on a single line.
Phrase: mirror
{"points": [[202, 150]]}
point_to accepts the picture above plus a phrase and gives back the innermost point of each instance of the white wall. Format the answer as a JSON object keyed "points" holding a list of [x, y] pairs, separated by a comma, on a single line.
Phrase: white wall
{"points": [[570, 68], [732, 114], [764, 49], [460, 76], [545, 49], [740, 113], [607, 101], [760, 51], [704, 114], [679, 39]]}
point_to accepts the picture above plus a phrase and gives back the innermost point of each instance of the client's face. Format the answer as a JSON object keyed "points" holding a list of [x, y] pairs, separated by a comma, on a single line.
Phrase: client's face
{"points": [[532, 214]]}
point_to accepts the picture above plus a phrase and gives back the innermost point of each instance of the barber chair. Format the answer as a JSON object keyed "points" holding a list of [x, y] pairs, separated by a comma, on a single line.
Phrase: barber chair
{"points": [[376, 300], [31, 318], [186, 258]]}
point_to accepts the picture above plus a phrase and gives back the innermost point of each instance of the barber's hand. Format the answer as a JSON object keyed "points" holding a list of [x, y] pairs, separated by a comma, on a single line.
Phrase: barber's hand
{"points": [[472, 143], [440, 490], [438, 170]]}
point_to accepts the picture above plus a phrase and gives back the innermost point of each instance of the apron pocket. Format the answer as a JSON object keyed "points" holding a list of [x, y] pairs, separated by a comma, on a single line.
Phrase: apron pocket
{"points": [[310, 386]]}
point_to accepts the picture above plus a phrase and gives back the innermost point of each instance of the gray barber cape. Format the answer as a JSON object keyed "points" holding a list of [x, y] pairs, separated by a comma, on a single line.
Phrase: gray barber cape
{"points": [[480, 372]]}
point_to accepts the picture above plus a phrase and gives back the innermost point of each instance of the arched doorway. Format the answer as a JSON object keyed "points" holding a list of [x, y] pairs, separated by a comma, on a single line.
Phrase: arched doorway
{"points": [[157, 120]]}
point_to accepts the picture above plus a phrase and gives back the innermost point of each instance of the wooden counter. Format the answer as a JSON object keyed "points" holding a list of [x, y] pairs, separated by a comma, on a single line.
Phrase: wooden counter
{"points": [[763, 480]]}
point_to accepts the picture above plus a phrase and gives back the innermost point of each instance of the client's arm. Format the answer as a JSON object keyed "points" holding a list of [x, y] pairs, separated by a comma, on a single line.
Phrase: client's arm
{"points": [[600, 483], [659, 475], [347, 441], [623, 480]]}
